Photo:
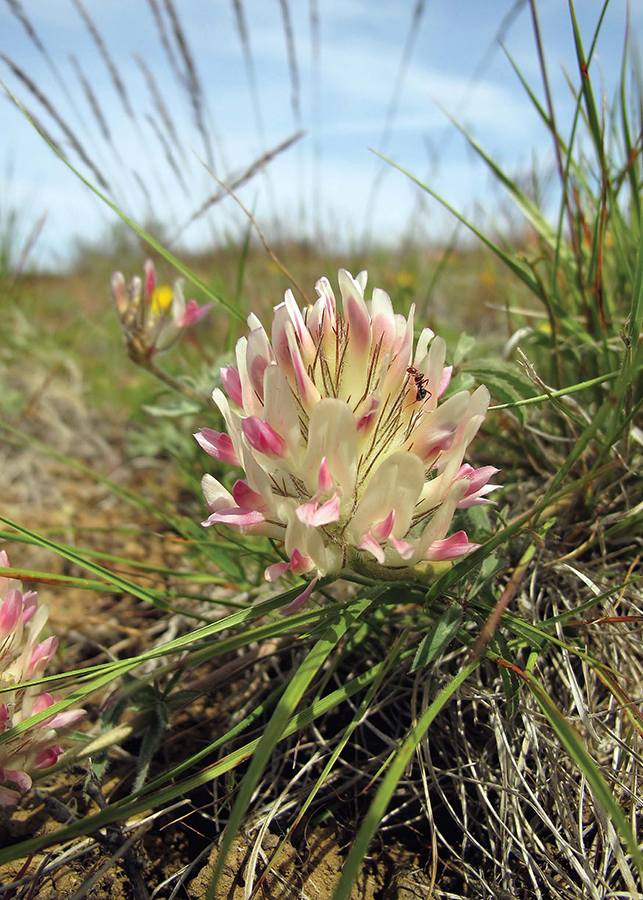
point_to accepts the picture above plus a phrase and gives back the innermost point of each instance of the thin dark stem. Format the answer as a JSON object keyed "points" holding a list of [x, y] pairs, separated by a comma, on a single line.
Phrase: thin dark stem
{"points": [[179, 386], [552, 118]]}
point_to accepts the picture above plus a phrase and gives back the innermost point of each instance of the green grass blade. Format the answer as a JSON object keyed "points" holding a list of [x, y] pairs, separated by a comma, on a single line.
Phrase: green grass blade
{"points": [[390, 782], [362, 709], [443, 632], [563, 392], [138, 229], [518, 268], [123, 809], [630, 153], [31, 576], [573, 744], [587, 91], [535, 102], [123, 585], [524, 204], [275, 728]]}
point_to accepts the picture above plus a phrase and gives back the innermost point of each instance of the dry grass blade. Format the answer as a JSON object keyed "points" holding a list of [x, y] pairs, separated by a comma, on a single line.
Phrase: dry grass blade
{"points": [[293, 67], [262, 237], [101, 46], [159, 104], [315, 41], [191, 81], [244, 38], [513, 586], [165, 42], [236, 181], [29, 245], [391, 110], [167, 152], [121, 91], [18, 11], [117, 855], [92, 99], [44, 101]]}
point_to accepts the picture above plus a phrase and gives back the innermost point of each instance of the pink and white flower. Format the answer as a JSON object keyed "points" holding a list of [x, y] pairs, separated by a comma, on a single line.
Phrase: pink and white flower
{"points": [[24, 657], [348, 455], [152, 315]]}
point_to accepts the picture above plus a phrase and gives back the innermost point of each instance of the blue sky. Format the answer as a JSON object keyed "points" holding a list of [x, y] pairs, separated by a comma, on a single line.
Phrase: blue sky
{"points": [[327, 180]]}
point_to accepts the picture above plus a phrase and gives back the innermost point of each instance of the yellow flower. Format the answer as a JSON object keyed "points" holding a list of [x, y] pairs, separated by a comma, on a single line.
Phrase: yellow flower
{"points": [[487, 278], [152, 316], [161, 299], [405, 279]]}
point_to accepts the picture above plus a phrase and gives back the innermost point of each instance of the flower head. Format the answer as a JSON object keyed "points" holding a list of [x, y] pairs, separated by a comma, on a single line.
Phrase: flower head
{"points": [[153, 315], [348, 455], [24, 657]]}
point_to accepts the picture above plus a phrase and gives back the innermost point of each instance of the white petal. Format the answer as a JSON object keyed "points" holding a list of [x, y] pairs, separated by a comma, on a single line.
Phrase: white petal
{"points": [[425, 338], [250, 403], [279, 339], [432, 369], [280, 408], [435, 424], [303, 335], [395, 485], [361, 278], [356, 313], [215, 494], [257, 477], [451, 460], [258, 356], [231, 419], [400, 356], [306, 390], [479, 401], [178, 302], [310, 542], [383, 321], [439, 524], [332, 433]]}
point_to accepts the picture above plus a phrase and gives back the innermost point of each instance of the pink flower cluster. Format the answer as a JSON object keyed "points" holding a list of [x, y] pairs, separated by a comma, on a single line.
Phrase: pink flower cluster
{"points": [[348, 453], [152, 315], [23, 657]]}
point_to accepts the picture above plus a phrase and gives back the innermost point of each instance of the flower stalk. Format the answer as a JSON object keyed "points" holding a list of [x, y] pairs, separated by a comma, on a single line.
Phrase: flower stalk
{"points": [[153, 317]]}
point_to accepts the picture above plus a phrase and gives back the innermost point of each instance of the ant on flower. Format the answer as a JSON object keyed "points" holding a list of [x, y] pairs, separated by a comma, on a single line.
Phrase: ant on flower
{"points": [[420, 380]]}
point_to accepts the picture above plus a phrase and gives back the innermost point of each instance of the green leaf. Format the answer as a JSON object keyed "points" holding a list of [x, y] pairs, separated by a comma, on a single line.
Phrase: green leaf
{"points": [[275, 728], [465, 345], [439, 638], [502, 371], [517, 266], [125, 808], [575, 747], [391, 780]]}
